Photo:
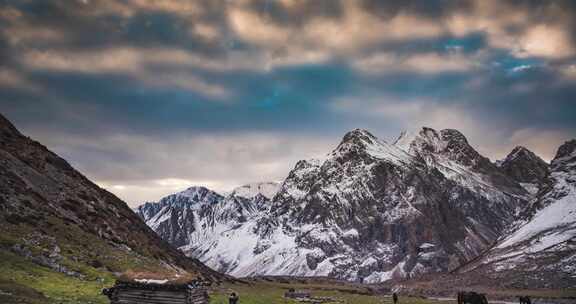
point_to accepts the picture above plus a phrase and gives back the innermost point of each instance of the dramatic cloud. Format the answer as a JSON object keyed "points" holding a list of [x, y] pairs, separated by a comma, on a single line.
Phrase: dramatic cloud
{"points": [[420, 63], [150, 96], [13, 79], [546, 41], [132, 62], [141, 167]]}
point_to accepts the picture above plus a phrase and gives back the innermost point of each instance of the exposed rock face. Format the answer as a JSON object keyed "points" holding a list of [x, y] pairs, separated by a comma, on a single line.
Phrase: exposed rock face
{"points": [[40, 192], [174, 216], [370, 210], [180, 217], [539, 250], [525, 167], [205, 224], [449, 151]]}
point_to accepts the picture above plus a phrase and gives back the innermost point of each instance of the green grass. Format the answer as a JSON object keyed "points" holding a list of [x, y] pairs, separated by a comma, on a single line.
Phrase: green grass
{"points": [[272, 293], [11, 292], [22, 281]]}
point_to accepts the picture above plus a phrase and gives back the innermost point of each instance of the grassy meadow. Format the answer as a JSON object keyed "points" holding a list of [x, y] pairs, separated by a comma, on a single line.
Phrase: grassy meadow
{"points": [[268, 292], [22, 281]]}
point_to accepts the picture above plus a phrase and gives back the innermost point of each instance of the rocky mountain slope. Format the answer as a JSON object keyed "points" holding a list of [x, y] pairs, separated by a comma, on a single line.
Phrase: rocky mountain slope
{"points": [[54, 218], [369, 210], [525, 167], [539, 249], [197, 218]]}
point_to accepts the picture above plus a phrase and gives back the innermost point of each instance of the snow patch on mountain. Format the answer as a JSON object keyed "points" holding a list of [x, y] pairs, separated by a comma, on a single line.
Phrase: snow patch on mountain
{"points": [[240, 252], [267, 189], [361, 141], [554, 224], [555, 220], [405, 139], [544, 237]]}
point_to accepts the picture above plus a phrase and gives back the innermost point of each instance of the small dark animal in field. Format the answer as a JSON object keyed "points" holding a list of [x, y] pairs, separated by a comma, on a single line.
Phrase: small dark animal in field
{"points": [[233, 299], [524, 300], [471, 298]]}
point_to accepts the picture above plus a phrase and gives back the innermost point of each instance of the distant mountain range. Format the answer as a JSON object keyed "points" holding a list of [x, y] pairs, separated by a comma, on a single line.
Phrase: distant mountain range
{"points": [[373, 211]]}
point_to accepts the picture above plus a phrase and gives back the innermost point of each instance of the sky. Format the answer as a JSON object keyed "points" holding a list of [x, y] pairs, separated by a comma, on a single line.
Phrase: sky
{"points": [[149, 97]]}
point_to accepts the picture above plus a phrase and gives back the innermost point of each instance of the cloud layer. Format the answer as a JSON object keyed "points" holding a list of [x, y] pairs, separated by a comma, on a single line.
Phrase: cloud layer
{"points": [[149, 96]]}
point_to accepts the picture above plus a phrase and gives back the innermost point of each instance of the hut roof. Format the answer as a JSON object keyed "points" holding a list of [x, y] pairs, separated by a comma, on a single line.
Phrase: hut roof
{"points": [[162, 279], [153, 286]]}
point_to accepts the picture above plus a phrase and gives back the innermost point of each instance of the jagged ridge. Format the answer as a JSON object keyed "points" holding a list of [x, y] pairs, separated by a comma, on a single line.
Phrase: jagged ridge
{"points": [[370, 210], [543, 237]]}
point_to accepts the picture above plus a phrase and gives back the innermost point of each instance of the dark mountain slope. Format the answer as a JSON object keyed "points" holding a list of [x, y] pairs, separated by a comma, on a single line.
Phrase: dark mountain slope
{"points": [[55, 217], [525, 167], [539, 250]]}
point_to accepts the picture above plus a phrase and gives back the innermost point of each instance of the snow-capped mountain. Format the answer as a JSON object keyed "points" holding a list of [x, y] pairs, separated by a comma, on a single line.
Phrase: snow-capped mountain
{"points": [[539, 249], [448, 151], [174, 216], [525, 167], [369, 210], [180, 217]]}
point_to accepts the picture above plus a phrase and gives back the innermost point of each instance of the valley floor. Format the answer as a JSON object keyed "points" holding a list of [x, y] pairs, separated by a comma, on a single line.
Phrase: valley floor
{"points": [[22, 281], [272, 292]]}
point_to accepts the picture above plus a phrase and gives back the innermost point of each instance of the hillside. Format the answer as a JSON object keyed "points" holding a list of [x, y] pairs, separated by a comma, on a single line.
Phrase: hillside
{"points": [[539, 249], [63, 237]]}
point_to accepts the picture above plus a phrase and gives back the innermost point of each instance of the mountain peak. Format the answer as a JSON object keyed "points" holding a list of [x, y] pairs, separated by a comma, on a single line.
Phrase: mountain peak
{"points": [[195, 190], [520, 151], [454, 136], [357, 141], [405, 139], [565, 156], [449, 147], [566, 149], [523, 153], [5, 122], [193, 194], [361, 143], [524, 166], [359, 135], [427, 139], [250, 191], [7, 129]]}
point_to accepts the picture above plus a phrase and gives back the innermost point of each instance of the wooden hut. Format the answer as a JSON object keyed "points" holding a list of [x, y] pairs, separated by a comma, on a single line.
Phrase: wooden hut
{"points": [[152, 292]]}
